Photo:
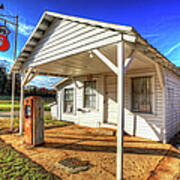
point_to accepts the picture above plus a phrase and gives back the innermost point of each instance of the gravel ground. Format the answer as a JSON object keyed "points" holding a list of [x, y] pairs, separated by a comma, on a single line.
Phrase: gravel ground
{"points": [[143, 159]]}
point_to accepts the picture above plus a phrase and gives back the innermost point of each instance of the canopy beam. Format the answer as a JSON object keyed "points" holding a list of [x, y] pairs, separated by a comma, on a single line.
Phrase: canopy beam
{"points": [[111, 65], [25, 78], [31, 78], [129, 60], [27, 75], [105, 60], [160, 76]]}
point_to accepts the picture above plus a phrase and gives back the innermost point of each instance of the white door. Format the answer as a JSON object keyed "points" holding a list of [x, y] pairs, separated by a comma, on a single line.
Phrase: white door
{"points": [[110, 104]]}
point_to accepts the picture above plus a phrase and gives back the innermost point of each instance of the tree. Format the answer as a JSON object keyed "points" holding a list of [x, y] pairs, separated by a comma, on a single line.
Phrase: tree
{"points": [[3, 80]]}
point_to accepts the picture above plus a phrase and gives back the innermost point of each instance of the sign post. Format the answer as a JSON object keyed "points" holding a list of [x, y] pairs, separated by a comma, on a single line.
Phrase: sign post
{"points": [[4, 46], [14, 76]]}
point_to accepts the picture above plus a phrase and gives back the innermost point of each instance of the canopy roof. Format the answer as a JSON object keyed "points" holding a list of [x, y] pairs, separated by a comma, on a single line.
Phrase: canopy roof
{"points": [[58, 38]]}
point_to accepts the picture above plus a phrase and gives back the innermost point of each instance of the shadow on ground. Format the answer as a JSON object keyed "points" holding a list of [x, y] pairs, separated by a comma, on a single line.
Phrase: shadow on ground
{"points": [[111, 149], [6, 131]]}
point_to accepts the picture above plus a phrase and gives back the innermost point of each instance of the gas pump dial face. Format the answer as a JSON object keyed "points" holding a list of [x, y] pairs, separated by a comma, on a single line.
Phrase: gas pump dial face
{"points": [[28, 111]]}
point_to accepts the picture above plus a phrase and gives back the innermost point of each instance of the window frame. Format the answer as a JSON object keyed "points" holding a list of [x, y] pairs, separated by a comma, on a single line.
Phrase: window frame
{"points": [[152, 79], [65, 89], [84, 95]]}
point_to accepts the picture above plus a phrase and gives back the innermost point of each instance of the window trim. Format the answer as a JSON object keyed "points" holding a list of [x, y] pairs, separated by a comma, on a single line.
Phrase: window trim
{"points": [[96, 97], [152, 75], [68, 88]]}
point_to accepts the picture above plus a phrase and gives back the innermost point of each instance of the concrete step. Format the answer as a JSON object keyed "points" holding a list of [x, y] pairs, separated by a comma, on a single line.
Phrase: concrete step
{"points": [[106, 131], [109, 126]]}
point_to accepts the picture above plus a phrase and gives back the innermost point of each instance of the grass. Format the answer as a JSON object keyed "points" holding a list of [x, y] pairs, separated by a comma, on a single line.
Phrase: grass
{"points": [[48, 123], [16, 166], [8, 98], [51, 122], [5, 123], [56, 123], [5, 105]]}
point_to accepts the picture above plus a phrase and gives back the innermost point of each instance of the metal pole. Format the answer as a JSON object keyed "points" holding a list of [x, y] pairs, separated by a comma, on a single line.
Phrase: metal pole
{"points": [[120, 118], [14, 75]]}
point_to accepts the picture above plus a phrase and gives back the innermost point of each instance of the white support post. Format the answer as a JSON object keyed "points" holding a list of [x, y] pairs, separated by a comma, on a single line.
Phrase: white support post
{"points": [[21, 113], [12, 99], [59, 105], [120, 110]]}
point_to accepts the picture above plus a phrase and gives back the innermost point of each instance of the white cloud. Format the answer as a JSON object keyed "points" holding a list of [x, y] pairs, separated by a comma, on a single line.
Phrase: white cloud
{"points": [[172, 49], [25, 29], [44, 81], [150, 35], [8, 60]]}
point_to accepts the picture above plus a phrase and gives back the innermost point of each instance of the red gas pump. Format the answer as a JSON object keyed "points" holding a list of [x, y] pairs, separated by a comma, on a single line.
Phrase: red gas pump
{"points": [[34, 120]]}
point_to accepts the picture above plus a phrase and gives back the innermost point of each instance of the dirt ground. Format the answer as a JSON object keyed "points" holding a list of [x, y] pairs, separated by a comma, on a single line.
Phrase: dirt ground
{"points": [[143, 159]]}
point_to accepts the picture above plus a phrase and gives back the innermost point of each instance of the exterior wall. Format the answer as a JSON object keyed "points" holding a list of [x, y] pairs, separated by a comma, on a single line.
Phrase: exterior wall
{"points": [[144, 125], [172, 95], [54, 111], [91, 118], [161, 125]]}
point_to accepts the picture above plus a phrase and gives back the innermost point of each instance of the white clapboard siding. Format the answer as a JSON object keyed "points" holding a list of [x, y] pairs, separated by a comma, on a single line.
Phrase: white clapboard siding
{"points": [[156, 126], [63, 40], [111, 99], [66, 37], [57, 27], [54, 113], [72, 42], [63, 36], [172, 122], [96, 43], [93, 118], [147, 126], [86, 39]]}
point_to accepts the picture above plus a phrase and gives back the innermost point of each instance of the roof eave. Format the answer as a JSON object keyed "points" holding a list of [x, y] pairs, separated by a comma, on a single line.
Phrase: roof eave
{"points": [[59, 83], [122, 29], [29, 39]]}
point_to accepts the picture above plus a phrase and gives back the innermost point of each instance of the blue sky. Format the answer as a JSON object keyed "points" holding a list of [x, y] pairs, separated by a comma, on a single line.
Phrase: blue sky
{"points": [[158, 21]]}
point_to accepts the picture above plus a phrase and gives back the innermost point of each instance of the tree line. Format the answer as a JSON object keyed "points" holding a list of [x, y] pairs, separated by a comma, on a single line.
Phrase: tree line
{"points": [[30, 90]]}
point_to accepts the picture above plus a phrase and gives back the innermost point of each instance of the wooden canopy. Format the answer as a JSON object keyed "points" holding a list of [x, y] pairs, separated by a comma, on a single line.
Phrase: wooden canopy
{"points": [[61, 41]]}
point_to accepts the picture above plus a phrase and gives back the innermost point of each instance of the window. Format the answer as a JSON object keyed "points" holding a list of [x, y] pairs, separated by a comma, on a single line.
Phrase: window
{"points": [[68, 100], [142, 94], [90, 94]]}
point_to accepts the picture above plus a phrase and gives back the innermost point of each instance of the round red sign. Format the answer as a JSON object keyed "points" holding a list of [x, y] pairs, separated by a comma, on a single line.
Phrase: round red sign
{"points": [[4, 43]]}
